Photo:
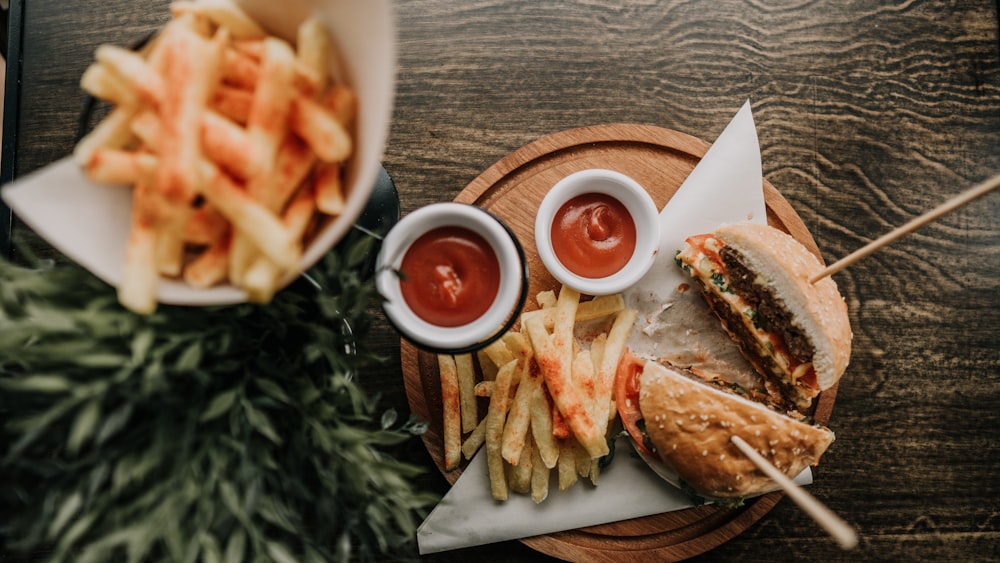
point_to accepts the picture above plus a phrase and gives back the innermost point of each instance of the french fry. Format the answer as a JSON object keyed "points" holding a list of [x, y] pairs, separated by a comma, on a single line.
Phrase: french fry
{"points": [[117, 166], [137, 290], [583, 459], [542, 430], [515, 432], [205, 226], [584, 379], [209, 267], [343, 103], [224, 13], [595, 472], [612, 352], [540, 474], [329, 189], [232, 102], [113, 132], [467, 392], [520, 475], [486, 366], [128, 66], [452, 417], [556, 367], [315, 50], [546, 299], [560, 429], [100, 82], [596, 308], [262, 277], [484, 388], [567, 464], [496, 416], [475, 440], [499, 353], [191, 67], [326, 136]]}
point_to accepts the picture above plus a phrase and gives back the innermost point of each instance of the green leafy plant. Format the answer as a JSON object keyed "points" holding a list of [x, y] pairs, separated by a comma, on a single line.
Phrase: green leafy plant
{"points": [[235, 433]]}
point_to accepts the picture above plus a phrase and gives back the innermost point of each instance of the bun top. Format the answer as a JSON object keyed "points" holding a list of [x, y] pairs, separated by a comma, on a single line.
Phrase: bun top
{"points": [[690, 423], [818, 309]]}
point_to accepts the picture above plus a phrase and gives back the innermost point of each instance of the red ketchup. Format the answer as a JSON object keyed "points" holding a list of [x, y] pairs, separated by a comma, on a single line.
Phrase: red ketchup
{"points": [[451, 276], [593, 235]]}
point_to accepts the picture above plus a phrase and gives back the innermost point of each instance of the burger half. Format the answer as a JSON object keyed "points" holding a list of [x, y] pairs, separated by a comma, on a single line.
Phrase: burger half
{"points": [[685, 421], [796, 334]]}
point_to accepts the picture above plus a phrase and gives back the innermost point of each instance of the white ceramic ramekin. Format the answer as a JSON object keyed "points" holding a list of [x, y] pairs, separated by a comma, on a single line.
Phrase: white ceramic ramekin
{"points": [[640, 206], [506, 305]]}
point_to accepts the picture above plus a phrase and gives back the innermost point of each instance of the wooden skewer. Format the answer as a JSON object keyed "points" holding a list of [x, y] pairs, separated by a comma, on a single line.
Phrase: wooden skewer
{"points": [[833, 524], [978, 190]]}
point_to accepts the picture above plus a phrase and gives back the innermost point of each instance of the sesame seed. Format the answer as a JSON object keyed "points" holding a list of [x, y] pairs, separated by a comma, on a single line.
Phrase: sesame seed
{"points": [[704, 453]]}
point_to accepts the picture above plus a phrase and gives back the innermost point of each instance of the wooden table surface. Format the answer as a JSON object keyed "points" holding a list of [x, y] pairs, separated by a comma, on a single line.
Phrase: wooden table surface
{"points": [[868, 113]]}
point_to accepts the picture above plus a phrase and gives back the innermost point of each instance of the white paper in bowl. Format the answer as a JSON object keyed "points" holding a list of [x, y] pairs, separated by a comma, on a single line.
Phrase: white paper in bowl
{"points": [[89, 222]]}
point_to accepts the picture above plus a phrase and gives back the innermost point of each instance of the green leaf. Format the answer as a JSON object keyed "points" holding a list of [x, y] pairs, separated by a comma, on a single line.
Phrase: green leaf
{"points": [[359, 253], [210, 552], [280, 553], [389, 418], [37, 384], [219, 405], [84, 425], [236, 547], [142, 342], [67, 511], [272, 390], [190, 358], [261, 423]]}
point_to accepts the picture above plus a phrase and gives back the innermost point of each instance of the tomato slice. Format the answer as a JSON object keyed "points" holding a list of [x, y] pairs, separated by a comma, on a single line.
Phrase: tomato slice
{"points": [[809, 380], [627, 398], [701, 243]]}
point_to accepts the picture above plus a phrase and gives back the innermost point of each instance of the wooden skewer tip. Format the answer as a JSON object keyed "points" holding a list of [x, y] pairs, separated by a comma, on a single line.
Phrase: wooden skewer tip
{"points": [[840, 530]]}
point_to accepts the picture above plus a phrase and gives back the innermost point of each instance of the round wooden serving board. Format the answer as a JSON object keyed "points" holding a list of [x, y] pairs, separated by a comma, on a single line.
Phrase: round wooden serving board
{"points": [[659, 159]]}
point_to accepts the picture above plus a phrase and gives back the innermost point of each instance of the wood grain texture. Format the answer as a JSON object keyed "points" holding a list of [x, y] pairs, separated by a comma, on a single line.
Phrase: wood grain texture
{"points": [[868, 113]]}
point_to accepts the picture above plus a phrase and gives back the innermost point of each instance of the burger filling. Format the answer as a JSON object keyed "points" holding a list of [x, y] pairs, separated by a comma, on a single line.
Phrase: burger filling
{"points": [[755, 318]]}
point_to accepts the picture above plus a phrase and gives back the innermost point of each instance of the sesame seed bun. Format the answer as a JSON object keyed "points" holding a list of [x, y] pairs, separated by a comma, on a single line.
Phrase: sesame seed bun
{"points": [[690, 424], [818, 309]]}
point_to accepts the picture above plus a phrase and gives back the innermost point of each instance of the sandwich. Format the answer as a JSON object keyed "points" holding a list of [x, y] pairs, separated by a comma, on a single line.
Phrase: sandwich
{"points": [[796, 334], [685, 421]]}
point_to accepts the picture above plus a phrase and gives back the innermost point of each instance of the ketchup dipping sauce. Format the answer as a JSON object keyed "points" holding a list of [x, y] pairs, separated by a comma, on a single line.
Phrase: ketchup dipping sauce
{"points": [[453, 277], [450, 276], [597, 231], [593, 235]]}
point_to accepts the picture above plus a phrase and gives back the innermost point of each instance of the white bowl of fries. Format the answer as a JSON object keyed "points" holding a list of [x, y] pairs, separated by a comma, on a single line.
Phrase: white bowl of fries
{"points": [[250, 132]]}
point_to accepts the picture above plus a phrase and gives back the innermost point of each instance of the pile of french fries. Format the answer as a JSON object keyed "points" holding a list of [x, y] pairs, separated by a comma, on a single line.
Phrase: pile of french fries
{"points": [[233, 141], [550, 396]]}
